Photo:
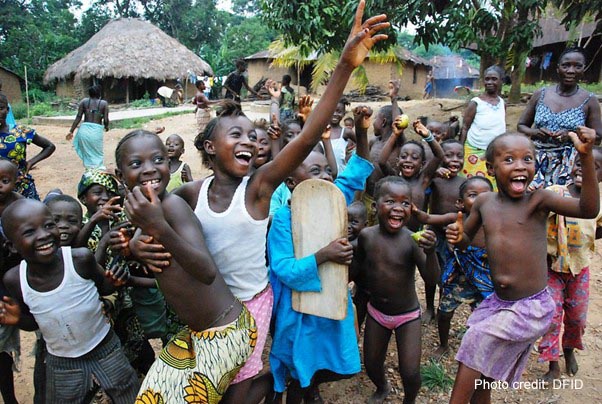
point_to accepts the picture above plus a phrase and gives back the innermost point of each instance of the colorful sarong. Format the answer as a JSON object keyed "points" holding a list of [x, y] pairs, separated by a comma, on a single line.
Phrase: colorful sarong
{"points": [[473, 264], [475, 163], [203, 116], [501, 333], [89, 146], [198, 367]]}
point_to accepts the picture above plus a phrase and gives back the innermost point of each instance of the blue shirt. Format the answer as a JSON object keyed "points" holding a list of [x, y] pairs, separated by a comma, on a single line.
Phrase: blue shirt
{"points": [[302, 343]]}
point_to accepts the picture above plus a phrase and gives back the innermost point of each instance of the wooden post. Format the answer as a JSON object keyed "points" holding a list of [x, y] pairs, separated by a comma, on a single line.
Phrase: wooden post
{"points": [[27, 91]]}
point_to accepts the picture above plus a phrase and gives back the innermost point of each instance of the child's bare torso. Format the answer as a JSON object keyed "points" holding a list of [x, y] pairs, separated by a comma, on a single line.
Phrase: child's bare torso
{"points": [[388, 270], [515, 234]]}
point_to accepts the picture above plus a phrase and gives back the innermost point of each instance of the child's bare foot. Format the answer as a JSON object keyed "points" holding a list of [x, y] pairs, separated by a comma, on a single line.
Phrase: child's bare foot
{"points": [[571, 362], [440, 353], [379, 395], [553, 373], [428, 316]]}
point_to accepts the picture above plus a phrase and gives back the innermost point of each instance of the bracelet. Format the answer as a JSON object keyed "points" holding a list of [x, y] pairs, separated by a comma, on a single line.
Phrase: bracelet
{"points": [[429, 138]]}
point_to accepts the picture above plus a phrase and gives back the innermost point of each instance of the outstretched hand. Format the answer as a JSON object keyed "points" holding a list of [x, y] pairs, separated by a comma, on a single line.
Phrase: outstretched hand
{"points": [[583, 139], [363, 36], [10, 312], [273, 88], [305, 104], [361, 116], [455, 231], [274, 130]]}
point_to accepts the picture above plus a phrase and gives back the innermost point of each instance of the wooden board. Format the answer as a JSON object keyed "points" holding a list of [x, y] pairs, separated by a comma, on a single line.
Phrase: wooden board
{"points": [[319, 216]]}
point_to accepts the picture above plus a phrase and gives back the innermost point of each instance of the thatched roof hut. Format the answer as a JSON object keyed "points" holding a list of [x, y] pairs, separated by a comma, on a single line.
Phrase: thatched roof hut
{"points": [[125, 50]]}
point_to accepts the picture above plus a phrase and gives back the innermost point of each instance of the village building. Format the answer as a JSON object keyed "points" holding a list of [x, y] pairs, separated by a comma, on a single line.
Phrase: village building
{"points": [[555, 38], [129, 58], [11, 85], [411, 70], [450, 72]]}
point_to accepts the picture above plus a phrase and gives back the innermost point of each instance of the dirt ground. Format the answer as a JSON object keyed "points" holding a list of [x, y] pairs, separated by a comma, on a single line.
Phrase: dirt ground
{"points": [[63, 170]]}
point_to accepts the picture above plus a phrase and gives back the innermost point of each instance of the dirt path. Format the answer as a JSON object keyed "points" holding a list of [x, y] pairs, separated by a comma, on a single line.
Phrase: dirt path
{"points": [[63, 170]]}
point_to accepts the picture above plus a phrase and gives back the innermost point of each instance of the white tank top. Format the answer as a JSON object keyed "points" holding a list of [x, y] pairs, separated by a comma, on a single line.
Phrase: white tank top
{"points": [[339, 148], [236, 242], [489, 122], [70, 316]]}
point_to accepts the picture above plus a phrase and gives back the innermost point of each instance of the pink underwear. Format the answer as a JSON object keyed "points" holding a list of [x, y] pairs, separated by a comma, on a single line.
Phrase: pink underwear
{"points": [[392, 322]]}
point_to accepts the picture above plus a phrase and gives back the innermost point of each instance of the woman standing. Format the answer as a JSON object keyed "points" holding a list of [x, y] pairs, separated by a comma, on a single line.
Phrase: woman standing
{"points": [[202, 112], [13, 146], [484, 119], [554, 111], [88, 142]]}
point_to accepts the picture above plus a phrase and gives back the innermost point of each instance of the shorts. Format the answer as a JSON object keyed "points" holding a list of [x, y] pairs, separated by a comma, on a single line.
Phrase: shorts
{"points": [[260, 307], [457, 291], [70, 380], [198, 367], [501, 334]]}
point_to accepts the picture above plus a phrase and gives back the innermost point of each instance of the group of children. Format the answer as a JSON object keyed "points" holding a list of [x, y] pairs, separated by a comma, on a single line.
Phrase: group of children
{"points": [[209, 265]]}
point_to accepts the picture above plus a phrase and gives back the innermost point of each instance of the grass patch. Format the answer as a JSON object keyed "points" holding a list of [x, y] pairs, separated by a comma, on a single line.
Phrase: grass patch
{"points": [[435, 377], [137, 122]]}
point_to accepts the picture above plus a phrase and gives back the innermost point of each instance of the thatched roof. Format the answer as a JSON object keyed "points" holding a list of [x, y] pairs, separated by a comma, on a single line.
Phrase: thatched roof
{"points": [[129, 47], [553, 31]]}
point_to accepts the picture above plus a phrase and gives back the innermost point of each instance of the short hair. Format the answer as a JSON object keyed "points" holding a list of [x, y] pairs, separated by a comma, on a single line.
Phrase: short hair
{"points": [[573, 49], [360, 206], [226, 109], [344, 101], [420, 146], [387, 113], [349, 119], [450, 142], [496, 69], [490, 152], [130, 136], [94, 91], [474, 178], [65, 198], [176, 136], [391, 179], [286, 79], [11, 164]]}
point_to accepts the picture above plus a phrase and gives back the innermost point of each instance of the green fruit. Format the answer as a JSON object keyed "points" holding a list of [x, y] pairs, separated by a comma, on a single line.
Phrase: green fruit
{"points": [[418, 235], [403, 122]]}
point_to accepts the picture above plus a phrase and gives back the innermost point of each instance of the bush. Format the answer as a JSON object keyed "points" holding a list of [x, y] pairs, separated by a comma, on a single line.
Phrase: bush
{"points": [[19, 110]]}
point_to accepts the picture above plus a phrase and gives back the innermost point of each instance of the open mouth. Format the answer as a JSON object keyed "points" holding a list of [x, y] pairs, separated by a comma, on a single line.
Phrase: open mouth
{"points": [[243, 157], [46, 248], [407, 170], [454, 167], [519, 184], [65, 236], [395, 222], [154, 183]]}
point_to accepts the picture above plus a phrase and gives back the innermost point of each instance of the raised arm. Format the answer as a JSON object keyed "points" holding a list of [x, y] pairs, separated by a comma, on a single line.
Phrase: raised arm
{"points": [[593, 117], [362, 117], [161, 219], [428, 172], [329, 152], [385, 153], [394, 86], [588, 204], [361, 39]]}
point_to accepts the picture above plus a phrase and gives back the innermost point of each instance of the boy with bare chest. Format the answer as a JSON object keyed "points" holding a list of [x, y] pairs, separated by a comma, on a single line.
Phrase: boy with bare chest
{"points": [[504, 327], [385, 263]]}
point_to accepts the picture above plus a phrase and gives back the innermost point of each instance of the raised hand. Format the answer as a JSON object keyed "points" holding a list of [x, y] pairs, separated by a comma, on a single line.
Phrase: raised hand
{"points": [[399, 125], [583, 139], [326, 133], [361, 116], [10, 312], [108, 211], [420, 129], [305, 104], [274, 130], [454, 232], [144, 209], [363, 36], [273, 88]]}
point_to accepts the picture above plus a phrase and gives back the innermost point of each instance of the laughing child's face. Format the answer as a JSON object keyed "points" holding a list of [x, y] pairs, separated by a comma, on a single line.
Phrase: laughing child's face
{"points": [[472, 190], [144, 163], [233, 146], [393, 206], [264, 148], [453, 157], [438, 130], [31, 230], [95, 197], [513, 164], [576, 173], [411, 160], [68, 218]]}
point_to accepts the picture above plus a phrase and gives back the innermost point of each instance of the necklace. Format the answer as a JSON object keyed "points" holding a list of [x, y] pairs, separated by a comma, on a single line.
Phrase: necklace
{"points": [[567, 95]]}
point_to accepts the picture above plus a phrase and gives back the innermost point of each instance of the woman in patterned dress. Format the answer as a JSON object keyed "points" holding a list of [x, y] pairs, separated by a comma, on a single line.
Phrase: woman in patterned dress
{"points": [[554, 111]]}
